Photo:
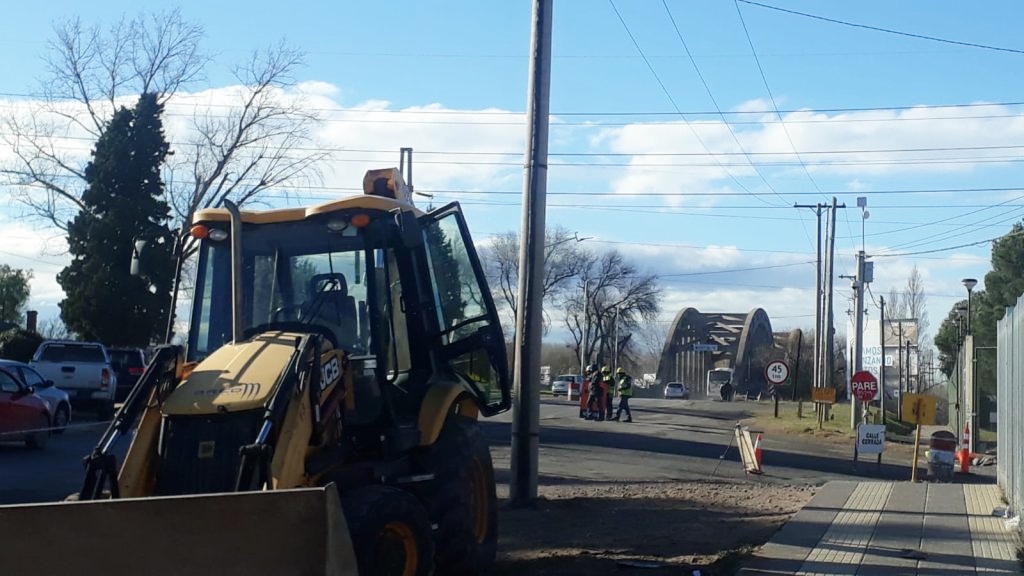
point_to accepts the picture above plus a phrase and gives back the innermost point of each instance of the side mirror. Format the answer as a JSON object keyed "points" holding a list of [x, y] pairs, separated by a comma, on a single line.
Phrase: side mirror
{"points": [[30, 390]]}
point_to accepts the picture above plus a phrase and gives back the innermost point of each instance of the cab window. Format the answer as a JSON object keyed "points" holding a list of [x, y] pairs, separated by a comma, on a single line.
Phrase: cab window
{"points": [[472, 342]]}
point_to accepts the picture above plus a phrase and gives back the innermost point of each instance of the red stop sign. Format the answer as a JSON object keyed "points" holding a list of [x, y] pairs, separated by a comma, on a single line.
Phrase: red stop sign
{"points": [[864, 386]]}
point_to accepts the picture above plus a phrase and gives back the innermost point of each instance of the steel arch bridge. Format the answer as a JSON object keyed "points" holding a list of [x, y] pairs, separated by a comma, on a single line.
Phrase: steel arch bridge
{"points": [[698, 342]]}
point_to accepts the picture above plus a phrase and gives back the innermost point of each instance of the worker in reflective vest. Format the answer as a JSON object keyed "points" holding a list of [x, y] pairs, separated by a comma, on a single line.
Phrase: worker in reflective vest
{"points": [[598, 384], [625, 388]]}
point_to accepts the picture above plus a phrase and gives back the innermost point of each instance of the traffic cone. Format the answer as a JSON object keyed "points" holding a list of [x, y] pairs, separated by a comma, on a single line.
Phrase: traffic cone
{"points": [[964, 455], [757, 451]]}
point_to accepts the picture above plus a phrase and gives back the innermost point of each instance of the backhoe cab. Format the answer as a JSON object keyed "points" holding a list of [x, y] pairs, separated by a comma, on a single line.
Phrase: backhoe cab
{"points": [[337, 353]]}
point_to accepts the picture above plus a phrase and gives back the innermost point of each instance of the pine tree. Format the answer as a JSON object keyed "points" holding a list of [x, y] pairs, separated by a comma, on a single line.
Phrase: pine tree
{"points": [[124, 201]]}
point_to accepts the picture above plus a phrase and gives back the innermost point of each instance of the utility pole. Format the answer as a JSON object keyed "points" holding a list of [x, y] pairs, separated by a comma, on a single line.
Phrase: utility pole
{"points": [[830, 342], [817, 301], [881, 369], [899, 344], [858, 323], [529, 312]]}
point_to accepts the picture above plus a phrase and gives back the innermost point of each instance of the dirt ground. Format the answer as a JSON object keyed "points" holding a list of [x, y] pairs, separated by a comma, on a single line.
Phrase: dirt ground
{"points": [[625, 529]]}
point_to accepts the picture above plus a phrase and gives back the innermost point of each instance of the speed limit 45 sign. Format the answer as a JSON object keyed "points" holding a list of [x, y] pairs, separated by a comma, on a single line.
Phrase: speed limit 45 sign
{"points": [[776, 372]]}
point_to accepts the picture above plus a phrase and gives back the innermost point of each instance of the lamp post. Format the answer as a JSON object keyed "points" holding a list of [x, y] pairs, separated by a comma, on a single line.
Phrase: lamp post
{"points": [[961, 314], [586, 327], [970, 283]]}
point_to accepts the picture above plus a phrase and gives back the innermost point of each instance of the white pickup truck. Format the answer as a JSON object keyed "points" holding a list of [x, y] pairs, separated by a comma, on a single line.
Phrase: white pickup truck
{"points": [[82, 369]]}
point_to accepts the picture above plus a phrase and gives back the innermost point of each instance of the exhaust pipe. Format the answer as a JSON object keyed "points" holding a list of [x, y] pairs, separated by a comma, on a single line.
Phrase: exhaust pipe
{"points": [[236, 271]]}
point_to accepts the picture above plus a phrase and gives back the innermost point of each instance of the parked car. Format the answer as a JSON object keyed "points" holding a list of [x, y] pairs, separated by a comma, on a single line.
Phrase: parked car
{"points": [[24, 416], [676, 390], [562, 384], [129, 364], [58, 403], [81, 368]]}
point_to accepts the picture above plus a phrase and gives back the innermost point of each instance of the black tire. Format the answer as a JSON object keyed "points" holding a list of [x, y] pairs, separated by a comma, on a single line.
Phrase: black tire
{"points": [[461, 499], [61, 419], [390, 532], [39, 440]]}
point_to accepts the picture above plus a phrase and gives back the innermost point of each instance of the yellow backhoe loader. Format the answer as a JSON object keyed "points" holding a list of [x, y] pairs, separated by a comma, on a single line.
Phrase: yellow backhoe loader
{"points": [[322, 418]]}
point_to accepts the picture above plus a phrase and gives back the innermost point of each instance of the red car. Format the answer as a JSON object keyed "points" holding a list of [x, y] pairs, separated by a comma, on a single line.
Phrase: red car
{"points": [[23, 415]]}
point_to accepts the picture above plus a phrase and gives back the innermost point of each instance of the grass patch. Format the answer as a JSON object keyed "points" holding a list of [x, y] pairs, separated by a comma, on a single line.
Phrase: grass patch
{"points": [[894, 426], [792, 421]]}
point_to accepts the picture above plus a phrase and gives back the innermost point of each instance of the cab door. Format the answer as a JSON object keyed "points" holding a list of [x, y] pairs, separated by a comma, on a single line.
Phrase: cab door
{"points": [[472, 343]]}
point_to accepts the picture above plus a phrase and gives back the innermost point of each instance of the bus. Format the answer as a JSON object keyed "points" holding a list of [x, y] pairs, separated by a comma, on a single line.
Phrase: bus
{"points": [[716, 378]]}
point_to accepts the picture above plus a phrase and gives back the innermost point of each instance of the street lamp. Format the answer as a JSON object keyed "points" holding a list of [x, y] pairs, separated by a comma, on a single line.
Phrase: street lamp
{"points": [[969, 283], [958, 319]]}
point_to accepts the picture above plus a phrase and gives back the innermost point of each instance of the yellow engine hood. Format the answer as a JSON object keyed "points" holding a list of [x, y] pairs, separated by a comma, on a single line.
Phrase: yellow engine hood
{"points": [[234, 378]]}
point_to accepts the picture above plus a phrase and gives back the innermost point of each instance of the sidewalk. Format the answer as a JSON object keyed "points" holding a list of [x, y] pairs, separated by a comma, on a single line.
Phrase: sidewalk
{"points": [[889, 528]]}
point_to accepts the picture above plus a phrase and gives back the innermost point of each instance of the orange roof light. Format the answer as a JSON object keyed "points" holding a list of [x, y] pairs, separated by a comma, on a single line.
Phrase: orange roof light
{"points": [[360, 220], [200, 232]]}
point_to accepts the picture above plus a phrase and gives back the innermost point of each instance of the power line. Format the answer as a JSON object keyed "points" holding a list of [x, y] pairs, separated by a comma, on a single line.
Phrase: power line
{"points": [[948, 248], [718, 108], [487, 112], [676, 106], [628, 154], [886, 30]]}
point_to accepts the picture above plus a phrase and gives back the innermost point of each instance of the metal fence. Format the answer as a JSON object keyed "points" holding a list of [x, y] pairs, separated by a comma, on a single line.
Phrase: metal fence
{"points": [[1010, 399]]}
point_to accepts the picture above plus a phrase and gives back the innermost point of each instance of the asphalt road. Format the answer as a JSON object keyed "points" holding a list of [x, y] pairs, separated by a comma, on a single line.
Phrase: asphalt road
{"points": [[675, 440], [669, 440]]}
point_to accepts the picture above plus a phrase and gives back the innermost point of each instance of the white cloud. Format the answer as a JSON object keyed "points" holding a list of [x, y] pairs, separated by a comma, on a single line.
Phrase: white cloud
{"points": [[368, 134]]}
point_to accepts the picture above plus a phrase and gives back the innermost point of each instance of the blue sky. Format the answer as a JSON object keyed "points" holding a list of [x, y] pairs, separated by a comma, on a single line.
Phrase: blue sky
{"points": [[645, 167]]}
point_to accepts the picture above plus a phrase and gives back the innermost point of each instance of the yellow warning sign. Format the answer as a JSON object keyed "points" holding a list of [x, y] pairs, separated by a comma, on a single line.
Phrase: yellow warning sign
{"points": [[919, 409]]}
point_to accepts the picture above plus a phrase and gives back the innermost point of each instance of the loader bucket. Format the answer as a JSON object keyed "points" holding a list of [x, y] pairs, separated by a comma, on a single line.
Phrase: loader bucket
{"points": [[272, 533]]}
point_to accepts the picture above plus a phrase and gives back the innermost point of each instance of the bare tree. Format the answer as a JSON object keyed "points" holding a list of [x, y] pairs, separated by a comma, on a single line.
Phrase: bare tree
{"points": [[54, 329], [564, 259], [611, 301], [896, 305], [915, 301], [259, 137], [89, 70]]}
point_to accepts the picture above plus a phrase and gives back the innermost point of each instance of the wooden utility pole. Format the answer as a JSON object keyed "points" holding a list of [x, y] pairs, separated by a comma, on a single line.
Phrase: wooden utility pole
{"points": [[818, 324], [830, 341]]}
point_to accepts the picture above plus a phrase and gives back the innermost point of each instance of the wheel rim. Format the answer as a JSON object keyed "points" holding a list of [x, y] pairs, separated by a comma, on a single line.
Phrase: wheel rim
{"points": [[395, 551], [479, 503], [61, 420]]}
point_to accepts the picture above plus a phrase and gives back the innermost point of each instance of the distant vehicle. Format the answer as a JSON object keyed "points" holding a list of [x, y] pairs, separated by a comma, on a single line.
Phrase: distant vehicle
{"points": [[58, 403], [128, 364], [560, 388], [81, 368], [676, 390], [24, 417], [562, 385], [717, 378]]}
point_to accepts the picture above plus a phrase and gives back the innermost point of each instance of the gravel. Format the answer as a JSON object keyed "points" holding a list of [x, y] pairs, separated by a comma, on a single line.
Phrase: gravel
{"points": [[604, 527]]}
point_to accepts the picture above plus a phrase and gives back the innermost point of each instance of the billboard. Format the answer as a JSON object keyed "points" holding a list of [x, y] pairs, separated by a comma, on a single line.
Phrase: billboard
{"points": [[896, 333]]}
